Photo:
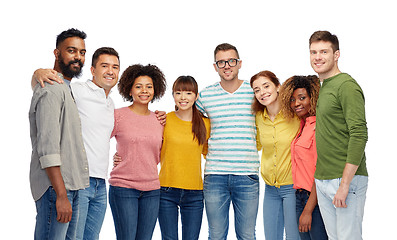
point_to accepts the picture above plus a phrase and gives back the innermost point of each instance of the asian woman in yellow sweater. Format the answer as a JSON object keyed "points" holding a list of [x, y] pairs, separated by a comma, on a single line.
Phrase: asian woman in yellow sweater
{"points": [[184, 140]]}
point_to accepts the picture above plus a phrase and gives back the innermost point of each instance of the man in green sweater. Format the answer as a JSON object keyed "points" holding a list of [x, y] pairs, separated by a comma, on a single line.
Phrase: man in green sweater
{"points": [[341, 135]]}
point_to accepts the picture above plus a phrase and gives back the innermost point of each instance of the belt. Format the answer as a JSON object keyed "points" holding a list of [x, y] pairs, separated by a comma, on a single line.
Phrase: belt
{"points": [[301, 190]]}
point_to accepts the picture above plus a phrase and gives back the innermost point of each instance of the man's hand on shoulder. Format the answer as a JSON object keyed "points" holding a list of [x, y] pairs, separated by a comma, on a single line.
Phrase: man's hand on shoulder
{"points": [[42, 75]]}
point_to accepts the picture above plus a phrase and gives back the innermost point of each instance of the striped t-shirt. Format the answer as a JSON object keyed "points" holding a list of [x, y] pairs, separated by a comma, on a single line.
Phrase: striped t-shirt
{"points": [[232, 144]]}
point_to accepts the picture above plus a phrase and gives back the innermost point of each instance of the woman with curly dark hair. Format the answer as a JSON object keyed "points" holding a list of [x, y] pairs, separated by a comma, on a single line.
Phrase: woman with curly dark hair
{"points": [[299, 98], [134, 192]]}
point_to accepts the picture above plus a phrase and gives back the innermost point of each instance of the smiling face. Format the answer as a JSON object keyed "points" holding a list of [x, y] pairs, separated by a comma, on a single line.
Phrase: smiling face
{"points": [[184, 100], [142, 90], [300, 102], [105, 74], [323, 59], [70, 57], [266, 92], [227, 73]]}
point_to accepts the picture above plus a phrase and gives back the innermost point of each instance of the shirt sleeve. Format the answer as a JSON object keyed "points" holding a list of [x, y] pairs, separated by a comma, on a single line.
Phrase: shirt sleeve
{"points": [[200, 106], [258, 136], [208, 132], [48, 115], [114, 132], [353, 106]]}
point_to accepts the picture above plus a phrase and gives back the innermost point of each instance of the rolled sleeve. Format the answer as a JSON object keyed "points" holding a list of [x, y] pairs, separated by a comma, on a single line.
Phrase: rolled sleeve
{"points": [[52, 160]]}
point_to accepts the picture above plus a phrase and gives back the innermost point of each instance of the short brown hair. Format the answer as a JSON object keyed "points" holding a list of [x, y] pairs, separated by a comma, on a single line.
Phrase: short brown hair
{"points": [[256, 105], [225, 47], [103, 51], [326, 37], [129, 75]]}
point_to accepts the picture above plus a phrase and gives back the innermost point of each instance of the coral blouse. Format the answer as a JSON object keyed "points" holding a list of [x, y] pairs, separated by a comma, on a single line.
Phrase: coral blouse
{"points": [[304, 155]]}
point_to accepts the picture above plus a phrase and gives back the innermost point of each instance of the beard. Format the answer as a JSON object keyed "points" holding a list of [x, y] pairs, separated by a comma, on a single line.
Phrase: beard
{"points": [[69, 71]]}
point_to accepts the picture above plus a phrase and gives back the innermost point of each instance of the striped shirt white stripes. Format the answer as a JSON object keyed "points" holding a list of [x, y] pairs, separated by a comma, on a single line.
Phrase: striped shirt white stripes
{"points": [[232, 144]]}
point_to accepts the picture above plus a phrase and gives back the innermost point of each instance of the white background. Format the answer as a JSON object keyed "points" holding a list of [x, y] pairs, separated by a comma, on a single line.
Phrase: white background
{"points": [[179, 37]]}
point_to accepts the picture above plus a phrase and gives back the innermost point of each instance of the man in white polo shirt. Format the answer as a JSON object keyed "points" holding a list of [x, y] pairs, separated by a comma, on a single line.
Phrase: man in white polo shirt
{"points": [[96, 110]]}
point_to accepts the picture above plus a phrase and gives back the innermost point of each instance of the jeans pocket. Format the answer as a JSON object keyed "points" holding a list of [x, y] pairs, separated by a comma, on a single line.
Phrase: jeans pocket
{"points": [[253, 177]]}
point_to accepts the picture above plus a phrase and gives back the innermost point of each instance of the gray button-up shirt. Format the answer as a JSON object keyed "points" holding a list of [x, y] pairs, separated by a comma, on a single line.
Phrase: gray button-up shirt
{"points": [[55, 132]]}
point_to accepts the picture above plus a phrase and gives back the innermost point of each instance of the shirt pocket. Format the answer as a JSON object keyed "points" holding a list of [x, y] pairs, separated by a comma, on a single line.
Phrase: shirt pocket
{"points": [[306, 148], [306, 143]]}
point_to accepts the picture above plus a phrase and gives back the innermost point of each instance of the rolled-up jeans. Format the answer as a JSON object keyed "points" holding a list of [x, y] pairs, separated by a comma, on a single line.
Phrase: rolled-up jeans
{"points": [[343, 223], [243, 192]]}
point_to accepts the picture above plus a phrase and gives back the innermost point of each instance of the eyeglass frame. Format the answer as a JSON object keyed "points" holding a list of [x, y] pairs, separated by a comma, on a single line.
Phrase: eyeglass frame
{"points": [[228, 62]]}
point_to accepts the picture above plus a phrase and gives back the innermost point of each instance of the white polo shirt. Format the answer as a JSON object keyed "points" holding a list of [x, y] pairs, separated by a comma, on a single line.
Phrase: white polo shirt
{"points": [[97, 120]]}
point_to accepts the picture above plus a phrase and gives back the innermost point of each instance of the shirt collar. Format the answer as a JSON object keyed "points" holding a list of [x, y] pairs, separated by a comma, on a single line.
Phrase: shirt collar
{"points": [[63, 78], [266, 115], [95, 87], [311, 119]]}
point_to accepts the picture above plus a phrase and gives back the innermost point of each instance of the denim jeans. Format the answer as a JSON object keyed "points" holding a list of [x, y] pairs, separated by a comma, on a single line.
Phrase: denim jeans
{"points": [[317, 231], [243, 192], [279, 212], [134, 212], [343, 223], [191, 205], [92, 208], [47, 226]]}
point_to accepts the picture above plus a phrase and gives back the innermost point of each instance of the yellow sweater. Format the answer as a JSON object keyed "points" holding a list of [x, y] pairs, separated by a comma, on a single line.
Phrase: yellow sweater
{"points": [[181, 155]]}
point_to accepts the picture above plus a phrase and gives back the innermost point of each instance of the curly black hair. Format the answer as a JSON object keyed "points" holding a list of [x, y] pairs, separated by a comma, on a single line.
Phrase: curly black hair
{"points": [[137, 70]]}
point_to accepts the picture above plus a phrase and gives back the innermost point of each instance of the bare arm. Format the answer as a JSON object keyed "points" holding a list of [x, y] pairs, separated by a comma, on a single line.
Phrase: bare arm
{"points": [[305, 220], [45, 75], [340, 197], [63, 206]]}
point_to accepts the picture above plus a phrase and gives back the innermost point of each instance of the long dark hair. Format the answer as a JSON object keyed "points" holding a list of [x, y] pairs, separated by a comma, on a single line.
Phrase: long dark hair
{"points": [[188, 83]]}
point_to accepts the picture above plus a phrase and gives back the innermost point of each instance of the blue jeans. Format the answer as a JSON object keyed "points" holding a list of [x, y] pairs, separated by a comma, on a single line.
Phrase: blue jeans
{"points": [[92, 208], [191, 204], [279, 211], [243, 192], [134, 212], [317, 231], [47, 226], [343, 223]]}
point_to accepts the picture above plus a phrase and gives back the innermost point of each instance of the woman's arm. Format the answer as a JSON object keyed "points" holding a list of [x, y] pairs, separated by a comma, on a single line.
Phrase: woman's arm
{"points": [[305, 220]]}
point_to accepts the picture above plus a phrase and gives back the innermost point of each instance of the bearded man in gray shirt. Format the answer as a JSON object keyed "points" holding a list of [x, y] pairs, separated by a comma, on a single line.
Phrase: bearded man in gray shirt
{"points": [[59, 166]]}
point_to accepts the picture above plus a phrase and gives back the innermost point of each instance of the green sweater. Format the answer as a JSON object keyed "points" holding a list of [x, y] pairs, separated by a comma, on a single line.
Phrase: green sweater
{"points": [[341, 129]]}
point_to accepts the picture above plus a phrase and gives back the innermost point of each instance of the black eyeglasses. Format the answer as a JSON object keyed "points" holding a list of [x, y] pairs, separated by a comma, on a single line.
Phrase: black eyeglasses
{"points": [[222, 63]]}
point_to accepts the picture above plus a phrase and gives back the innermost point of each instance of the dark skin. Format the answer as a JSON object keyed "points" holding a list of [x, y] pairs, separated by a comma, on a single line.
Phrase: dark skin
{"points": [[300, 103], [63, 206], [50, 76]]}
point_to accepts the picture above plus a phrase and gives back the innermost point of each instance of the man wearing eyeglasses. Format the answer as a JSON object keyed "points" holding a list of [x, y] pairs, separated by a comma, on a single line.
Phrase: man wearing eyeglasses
{"points": [[232, 162]]}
